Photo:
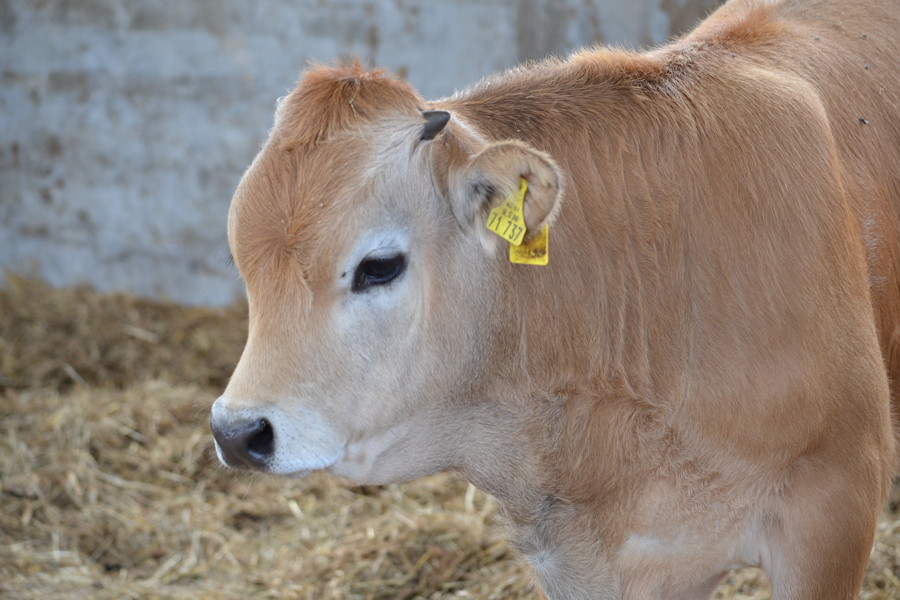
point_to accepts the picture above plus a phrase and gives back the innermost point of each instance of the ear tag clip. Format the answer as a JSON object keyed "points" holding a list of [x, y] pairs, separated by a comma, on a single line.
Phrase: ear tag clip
{"points": [[535, 251], [508, 221]]}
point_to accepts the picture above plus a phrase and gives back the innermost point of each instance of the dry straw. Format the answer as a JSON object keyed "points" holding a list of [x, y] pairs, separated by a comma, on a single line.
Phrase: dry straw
{"points": [[110, 489]]}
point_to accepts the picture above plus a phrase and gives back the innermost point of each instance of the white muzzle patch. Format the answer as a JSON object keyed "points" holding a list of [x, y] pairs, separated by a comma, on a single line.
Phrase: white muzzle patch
{"points": [[283, 441]]}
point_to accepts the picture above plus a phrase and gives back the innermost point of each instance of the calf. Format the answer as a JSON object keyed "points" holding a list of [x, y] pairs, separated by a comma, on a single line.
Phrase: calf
{"points": [[698, 379]]}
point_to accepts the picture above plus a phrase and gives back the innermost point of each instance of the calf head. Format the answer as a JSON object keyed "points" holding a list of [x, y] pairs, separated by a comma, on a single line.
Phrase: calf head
{"points": [[378, 300]]}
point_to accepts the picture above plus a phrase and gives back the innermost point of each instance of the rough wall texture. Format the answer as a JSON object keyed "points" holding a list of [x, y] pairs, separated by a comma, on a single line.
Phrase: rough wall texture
{"points": [[125, 126]]}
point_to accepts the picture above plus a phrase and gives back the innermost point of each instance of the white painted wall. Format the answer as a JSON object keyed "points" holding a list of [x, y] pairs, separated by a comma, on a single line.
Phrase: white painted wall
{"points": [[125, 125]]}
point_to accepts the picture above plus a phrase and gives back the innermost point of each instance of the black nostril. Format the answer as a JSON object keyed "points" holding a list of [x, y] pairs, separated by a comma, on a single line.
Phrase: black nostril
{"points": [[246, 445], [262, 443]]}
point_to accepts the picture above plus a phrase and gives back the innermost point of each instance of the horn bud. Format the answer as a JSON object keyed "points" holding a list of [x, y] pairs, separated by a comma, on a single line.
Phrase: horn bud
{"points": [[435, 121]]}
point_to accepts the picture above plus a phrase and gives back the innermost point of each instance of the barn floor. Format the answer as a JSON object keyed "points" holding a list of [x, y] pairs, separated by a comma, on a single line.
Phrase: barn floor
{"points": [[110, 487]]}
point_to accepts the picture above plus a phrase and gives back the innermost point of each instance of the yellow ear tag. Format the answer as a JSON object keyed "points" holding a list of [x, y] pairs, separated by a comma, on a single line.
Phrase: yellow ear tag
{"points": [[508, 221], [535, 251]]}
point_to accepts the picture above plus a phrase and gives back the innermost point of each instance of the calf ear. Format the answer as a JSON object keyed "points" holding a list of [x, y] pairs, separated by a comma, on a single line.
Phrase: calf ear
{"points": [[494, 173]]}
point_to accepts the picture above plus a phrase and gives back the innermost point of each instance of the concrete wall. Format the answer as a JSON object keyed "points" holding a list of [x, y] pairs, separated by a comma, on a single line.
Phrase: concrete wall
{"points": [[125, 125]]}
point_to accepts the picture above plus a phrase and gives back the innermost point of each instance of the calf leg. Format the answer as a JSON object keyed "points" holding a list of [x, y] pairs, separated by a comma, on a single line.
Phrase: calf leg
{"points": [[820, 540]]}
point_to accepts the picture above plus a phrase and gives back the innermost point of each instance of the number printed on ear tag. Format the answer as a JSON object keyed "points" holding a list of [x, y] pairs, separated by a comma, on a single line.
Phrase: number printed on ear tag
{"points": [[508, 219]]}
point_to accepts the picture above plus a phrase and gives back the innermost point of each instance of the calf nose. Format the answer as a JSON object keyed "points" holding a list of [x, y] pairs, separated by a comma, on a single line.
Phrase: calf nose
{"points": [[248, 445]]}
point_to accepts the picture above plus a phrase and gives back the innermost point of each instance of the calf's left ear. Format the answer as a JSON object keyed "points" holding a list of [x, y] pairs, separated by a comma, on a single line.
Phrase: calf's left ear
{"points": [[494, 173]]}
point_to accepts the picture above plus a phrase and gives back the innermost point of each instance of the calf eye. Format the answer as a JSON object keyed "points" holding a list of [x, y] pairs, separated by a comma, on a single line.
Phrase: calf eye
{"points": [[377, 271]]}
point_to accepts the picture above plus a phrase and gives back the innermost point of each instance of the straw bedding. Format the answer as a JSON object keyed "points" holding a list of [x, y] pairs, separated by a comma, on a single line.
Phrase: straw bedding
{"points": [[110, 487]]}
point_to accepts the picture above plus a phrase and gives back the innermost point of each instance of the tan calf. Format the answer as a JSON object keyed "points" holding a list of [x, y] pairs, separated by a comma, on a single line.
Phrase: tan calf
{"points": [[698, 380]]}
